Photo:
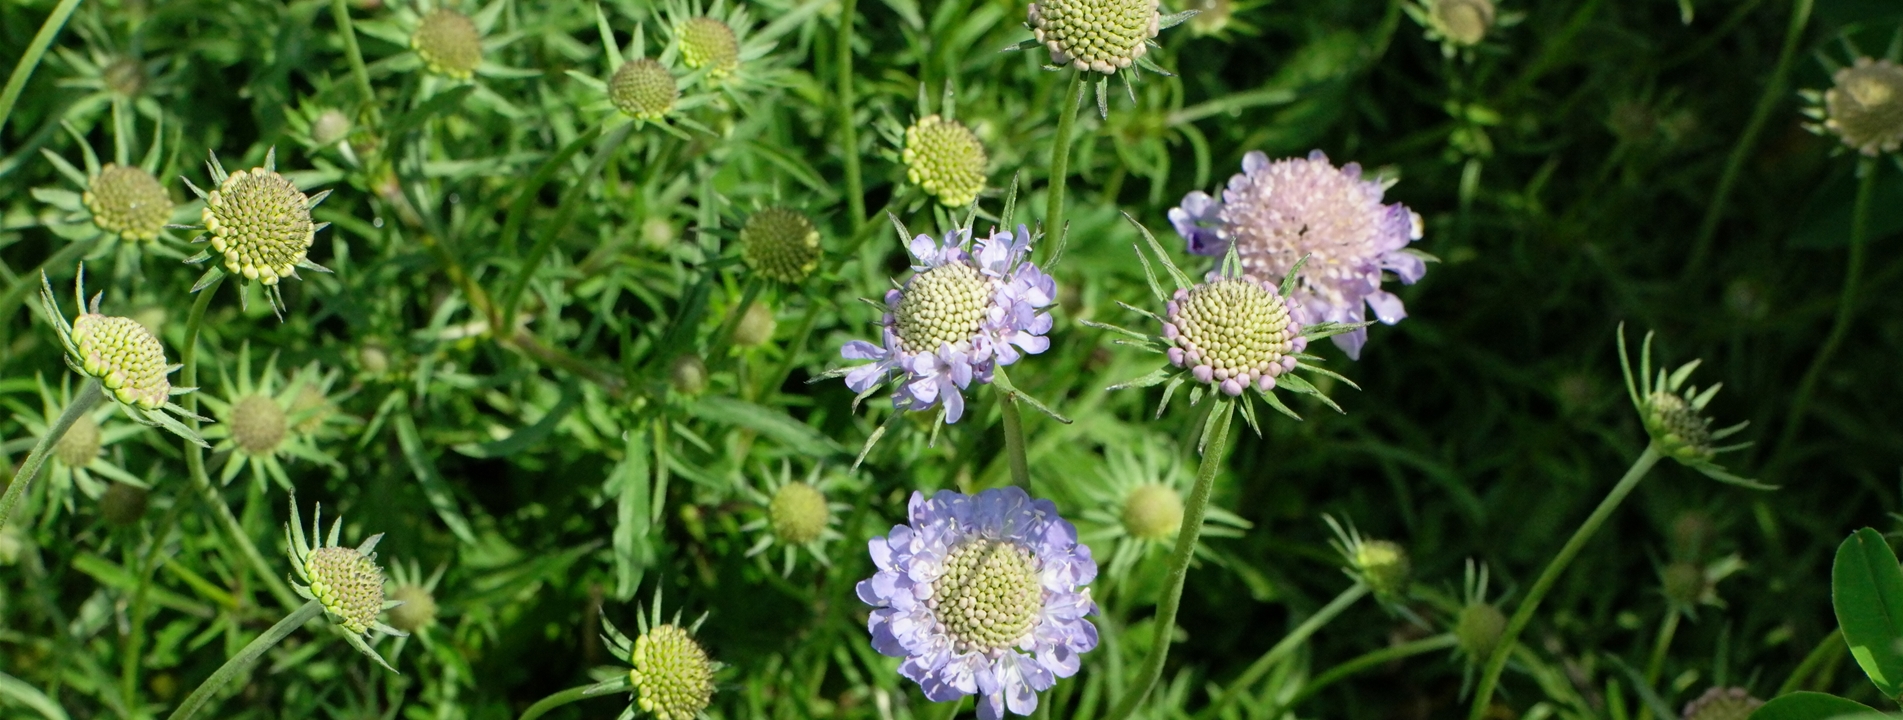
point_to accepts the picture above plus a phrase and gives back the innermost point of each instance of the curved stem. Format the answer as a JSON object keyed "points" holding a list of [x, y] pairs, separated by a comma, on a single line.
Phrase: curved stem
{"points": [[243, 660], [1773, 94], [554, 227], [848, 129], [1832, 643], [89, 395], [1846, 310], [1215, 445], [30, 60], [541, 707], [1378, 657], [1667, 630], [1288, 644], [1071, 104], [340, 13], [1490, 678], [1014, 441]]}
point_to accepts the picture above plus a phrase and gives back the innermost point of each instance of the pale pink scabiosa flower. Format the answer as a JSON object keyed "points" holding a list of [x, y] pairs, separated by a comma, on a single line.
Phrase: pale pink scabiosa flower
{"points": [[962, 314], [1275, 213], [981, 595]]}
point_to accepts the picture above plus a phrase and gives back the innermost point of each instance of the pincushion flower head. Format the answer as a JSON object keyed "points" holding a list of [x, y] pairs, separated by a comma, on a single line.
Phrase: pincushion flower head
{"points": [[672, 676], [1863, 107], [1107, 37], [780, 244], [798, 514], [258, 422], [1457, 24], [418, 611], [452, 45], [124, 356], [346, 581], [119, 204], [966, 310], [1136, 503], [945, 159], [982, 595], [1382, 565], [1673, 414], [1276, 213], [639, 89], [720, 48], [259, 226]]}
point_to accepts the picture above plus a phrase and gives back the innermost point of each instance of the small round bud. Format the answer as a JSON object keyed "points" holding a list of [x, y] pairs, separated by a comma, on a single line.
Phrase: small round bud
{"points": [[1676, 426], [780, 244], [349, 584], [1099, 35], [943, 306], [1153, 512], [798, 513], [123, 504], [372, 358], [756, 327], [125, 357], [124, 76], [1865, 106], [1722, 704], [1683, 582], [418, 610], [657, 232], [260, 223], [672, 677], [449, 43], [81, 443], [1477, 630], [644, 89], [1462, 22], [257, 424], [688, 375], [1213, 18], [1384, 566], [945, 158], [128, 202], [330, 126], [312, 406], [709, 43]]}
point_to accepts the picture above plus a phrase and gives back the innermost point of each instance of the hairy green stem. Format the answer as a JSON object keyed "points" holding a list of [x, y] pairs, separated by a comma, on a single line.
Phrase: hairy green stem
{"points": [[1832, 643], [848, 129], [243, 660], [1282, 649], [1846, 311], [1068, 107], [1165, 620], [552, 229], [1741, 151], [340, 13], [89, 395], [1371, 659], [30, 60], [1497, 662], [541, 707], [1668, 628], [1014, 441]]}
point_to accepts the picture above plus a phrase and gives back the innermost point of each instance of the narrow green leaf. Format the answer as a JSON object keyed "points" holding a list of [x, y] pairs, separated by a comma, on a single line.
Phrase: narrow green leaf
{"points": [[1867, 593], [1809, 706], [766, 421], [18, 691], [435, 488]]}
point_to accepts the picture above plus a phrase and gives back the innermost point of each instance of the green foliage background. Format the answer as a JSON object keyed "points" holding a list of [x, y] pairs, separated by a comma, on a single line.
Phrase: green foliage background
{"points": [[1564, 167]]}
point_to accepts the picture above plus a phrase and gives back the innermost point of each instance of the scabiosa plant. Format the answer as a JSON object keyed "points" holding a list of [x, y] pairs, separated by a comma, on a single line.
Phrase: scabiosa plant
{"points": [[256, 424], [1382, 565], [259, 225], [119, 202], [1456, 24], [962, 314], [452, 47], [719, 47], [346, 582], [1479, 622], [797, 514], [1136, 504], [124, 356], [1672, 414], [1274, 214], [780, 244], [1107, 37], [945, 159], [672, 677], [639, 90], [982, 595], [1863, 107]]}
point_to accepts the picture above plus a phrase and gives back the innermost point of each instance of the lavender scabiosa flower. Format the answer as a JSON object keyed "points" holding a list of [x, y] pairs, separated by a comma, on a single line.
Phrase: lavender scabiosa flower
{"points": [[962, 314], [981, 595], [1275, 213]]}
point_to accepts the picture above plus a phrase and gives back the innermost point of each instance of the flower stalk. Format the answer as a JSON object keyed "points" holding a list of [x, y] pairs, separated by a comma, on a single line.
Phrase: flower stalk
{"points": [[575, 694], [848, 129], [1490, 677], [1014, 441], [1288, 644], [243, 660], [1071, 104], [30, 60], [89, 396]]}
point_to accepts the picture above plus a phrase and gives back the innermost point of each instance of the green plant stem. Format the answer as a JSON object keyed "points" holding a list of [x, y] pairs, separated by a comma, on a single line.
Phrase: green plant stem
{"points": [[804, 335], [1497, 662], [1774, 93], [89, 395], [723, 336], [24, 283], [340, 13], [139, 607], [541, 707], [1231, 103], [195, 455], [1014, 441], [1068, 107], [552, 229], [1377, 657], [1165, 620], [1281, 650], [1668, 628], [848, 129], [1832, 643], [30, 60], [243, 660], [1846, 311]]}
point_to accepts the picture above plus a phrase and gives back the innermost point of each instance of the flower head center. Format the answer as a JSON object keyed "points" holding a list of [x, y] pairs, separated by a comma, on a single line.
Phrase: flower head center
{"points": [[261, 223], [644, 89], [1463, 21], [798, 513], [125, 357], [80, 445], [1238, 328], [1865, 107], [449, 43], [418, 610], [672, 676], [257, 424], [990, 596], [1100, 35], [943, 306], [945, 158], [127, 201], [348, 583], [709, 43], [1678, 426], [781, 244], [1153, 512]]}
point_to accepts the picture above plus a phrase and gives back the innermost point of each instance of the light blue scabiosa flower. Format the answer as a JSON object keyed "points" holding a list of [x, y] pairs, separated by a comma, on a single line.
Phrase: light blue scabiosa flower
{"points": [[1275, 213], [962, 314], [981, 594]]}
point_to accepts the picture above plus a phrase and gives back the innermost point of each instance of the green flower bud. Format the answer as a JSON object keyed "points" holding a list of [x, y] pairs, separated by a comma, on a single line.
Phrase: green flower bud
{"points": [[1213, 17], [1684, 583], [1676, 426], [81, 443], [1153, 512], [945, 158], [349, 584], [329, 127], [657, 232], [257, 424], [756, 327], [124, 76], [128, 202], [688, 375], [1722, 704], [643, 89], [123, 504], [672, 677], [373, 359], [1384, 566], [798, 513], [1865, 106], [449, 43], [125, 357], [1462, 22], [418, 610], [780, 244], [709, 43], [943, 306], [1477, 630], [1099, 35], [260, 223]]}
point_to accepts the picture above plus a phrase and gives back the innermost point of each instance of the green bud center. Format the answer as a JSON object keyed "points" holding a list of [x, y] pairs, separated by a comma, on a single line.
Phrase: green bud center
{"points": [[261, 223], [990, 597], [257, 424], [798, 513], [945, 158], [1099, 35], [943, 306], [418, 610], [644, 89], [449, 43], [709, 43], [1234, 325], [128, 202], [125, 357], [349, 584], [672, 676], [781, 244], [1153, 512], [80, 445]]}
